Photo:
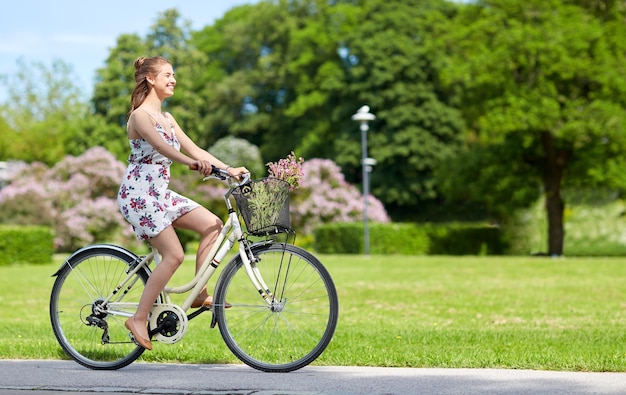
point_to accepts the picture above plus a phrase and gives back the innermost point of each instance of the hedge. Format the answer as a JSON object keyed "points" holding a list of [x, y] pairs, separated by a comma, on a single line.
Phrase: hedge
{"points": [[411, 239], [26, 244]]}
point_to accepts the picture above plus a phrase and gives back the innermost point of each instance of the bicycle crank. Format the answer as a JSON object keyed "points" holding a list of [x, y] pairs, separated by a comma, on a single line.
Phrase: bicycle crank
{"points": [[169, 323]]}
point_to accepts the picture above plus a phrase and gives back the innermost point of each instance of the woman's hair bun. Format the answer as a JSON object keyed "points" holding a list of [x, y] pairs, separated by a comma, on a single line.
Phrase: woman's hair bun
{"points": [[139, 62]]}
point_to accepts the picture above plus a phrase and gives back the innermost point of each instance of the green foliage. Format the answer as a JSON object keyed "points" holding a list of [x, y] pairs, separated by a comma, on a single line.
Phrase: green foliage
{"points": [[239, 152], [595, 230], [540, 83], [594, 225], [394, 67], [26, 244], [115, 82], [5, 130], [289, 75], [43, 113], [244, 86], [338, 238], [410, 239], [465, 239], [496, 175], [111, 99], [537, 86], [97, 132]]}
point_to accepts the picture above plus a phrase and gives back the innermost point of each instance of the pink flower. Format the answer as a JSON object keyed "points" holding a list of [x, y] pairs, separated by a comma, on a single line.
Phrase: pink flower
{"points": [[288, 169]]}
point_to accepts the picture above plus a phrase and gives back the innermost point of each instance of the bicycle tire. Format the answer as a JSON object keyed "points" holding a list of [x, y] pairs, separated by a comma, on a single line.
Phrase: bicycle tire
{"points": [[85, 278], [292, 332]]}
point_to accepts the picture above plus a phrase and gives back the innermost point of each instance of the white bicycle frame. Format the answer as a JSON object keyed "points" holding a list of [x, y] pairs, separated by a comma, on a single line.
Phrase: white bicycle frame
{"points": [[224, 243]]}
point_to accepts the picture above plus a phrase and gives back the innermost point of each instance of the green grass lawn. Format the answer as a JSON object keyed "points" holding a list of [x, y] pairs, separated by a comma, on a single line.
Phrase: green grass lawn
{"points": [[409, 311]]}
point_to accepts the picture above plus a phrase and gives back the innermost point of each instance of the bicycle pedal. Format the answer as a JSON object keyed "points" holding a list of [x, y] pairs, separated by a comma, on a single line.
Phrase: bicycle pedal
{"points": [[132, 338]]}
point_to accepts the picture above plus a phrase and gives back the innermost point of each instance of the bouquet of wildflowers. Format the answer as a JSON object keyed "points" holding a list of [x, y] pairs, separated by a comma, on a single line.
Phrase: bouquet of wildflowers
{"points": [[265, 203], [288, 169]]}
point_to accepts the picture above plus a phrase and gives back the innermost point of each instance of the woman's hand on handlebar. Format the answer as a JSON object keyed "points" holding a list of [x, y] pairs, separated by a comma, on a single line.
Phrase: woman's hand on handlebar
{"points": [[237, 172], [206, 169], [202, 166]]}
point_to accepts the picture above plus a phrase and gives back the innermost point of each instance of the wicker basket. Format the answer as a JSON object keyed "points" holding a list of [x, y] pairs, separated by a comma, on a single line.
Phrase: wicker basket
{"points": [[264, 206]]}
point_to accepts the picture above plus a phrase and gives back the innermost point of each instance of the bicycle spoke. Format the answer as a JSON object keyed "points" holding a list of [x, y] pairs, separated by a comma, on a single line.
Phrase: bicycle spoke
{"points": [[299, 324], [89, 334]]}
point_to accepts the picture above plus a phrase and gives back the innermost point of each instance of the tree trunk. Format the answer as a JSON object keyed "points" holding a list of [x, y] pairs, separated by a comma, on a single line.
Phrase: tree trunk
{"points": [[555, 207], [555, 163]]}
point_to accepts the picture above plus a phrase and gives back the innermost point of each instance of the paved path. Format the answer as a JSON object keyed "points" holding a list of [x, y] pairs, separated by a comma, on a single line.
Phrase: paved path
{"points": [[28, 377]]}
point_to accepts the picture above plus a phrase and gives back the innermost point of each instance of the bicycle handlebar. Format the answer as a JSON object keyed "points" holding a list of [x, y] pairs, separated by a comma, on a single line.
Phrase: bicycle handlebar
{"points": [[224, 175]]}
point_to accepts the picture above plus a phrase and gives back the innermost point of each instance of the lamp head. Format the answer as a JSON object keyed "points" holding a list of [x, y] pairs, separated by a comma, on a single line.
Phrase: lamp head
{"points": [[363, 115]]}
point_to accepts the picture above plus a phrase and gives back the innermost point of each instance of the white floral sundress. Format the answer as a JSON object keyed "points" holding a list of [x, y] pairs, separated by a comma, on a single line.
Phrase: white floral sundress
{"points": [[144, 197]]}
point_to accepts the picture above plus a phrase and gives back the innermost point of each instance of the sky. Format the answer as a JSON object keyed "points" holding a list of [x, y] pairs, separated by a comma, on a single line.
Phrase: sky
{"points": [[82, 32]]}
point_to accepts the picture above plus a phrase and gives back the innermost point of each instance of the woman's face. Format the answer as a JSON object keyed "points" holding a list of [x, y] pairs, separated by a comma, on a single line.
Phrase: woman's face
{"points": [[164, 81]]}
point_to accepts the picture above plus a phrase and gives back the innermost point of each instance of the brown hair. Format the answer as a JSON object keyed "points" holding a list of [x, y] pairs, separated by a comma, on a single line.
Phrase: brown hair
{"points": [[144, 67]]}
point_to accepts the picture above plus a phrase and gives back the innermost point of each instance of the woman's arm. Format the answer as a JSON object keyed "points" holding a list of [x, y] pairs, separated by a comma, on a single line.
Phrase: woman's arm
{"points": [[191, 148]]}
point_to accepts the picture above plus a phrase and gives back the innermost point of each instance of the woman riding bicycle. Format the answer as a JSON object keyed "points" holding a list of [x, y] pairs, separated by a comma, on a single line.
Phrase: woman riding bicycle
{"points": [[156, 140]]}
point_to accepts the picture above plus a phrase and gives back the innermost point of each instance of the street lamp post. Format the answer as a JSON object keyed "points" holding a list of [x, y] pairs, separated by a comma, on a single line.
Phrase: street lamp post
{"points": [[363, 116]]}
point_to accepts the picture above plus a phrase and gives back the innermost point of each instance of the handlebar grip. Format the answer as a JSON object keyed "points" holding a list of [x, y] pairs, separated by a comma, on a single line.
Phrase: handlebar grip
{"points": [[215, 171], [219, 173], [223, 174]]}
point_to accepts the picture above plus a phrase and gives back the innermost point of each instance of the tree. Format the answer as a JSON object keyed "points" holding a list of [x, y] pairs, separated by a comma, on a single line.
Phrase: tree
{"points": [[43, 113], [115, 81], [393, 65], [169, 38], [239, 152], [288, 75], [110, 100], [6, 145], [244, 86], [542, 87]]}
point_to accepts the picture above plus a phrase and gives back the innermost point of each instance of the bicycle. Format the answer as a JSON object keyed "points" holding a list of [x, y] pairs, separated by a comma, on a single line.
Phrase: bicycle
{"points": [[282, 302]]}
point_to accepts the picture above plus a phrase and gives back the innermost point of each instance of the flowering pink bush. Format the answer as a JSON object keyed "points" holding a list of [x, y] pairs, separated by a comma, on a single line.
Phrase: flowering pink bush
{"points": [[325, 196], [76, 198]]}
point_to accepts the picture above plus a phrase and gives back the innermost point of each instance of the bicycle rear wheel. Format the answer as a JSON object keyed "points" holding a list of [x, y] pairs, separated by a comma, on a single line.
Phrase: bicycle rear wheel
{"points": [[80, 319], [296, 327]]}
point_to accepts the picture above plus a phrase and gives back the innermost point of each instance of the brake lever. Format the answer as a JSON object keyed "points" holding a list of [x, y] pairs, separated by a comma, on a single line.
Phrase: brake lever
{"points": [[219, 174], [213, 177]]}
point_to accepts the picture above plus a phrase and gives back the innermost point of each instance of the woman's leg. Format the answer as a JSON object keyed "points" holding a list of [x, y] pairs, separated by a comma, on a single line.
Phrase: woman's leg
{"points": [[172, 256], [205, 223], [208, 225]]}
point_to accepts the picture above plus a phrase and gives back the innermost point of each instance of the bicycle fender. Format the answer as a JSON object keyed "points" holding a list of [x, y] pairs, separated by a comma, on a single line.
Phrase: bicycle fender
{"points": [[90, 248]]}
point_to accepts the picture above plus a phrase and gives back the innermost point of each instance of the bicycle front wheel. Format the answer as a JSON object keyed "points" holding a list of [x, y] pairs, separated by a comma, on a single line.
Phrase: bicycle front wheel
{"points": [[83, 323], [296, 326]]}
